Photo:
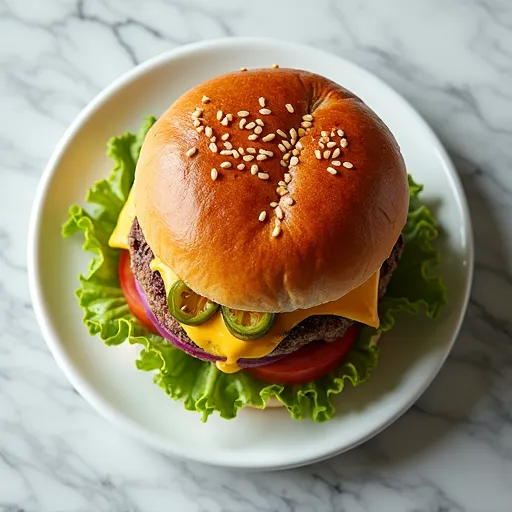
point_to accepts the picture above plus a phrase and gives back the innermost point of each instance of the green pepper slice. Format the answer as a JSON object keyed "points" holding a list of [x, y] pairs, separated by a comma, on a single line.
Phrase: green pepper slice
{"points": [[247, 325], [187, 306]]}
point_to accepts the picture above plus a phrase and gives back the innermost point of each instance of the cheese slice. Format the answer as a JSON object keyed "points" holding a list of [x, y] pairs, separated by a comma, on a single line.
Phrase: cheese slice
{"points": [[119, 237], [214, 337]]}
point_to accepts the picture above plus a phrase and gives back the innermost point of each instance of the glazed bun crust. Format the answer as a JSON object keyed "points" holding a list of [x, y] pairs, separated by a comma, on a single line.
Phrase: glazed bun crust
{"points": [[340, 227]]}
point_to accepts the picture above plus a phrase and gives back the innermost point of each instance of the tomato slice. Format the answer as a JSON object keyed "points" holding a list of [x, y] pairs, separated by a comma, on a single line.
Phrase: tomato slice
{"points": [[130, 291], [308, 363]]}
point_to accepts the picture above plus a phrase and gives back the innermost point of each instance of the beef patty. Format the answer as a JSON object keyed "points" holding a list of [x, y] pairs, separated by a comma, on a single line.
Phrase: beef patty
{"points": [[317, 327]]}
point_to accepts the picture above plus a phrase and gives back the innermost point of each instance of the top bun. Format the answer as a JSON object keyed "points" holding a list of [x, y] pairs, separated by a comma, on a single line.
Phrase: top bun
{"points": [[337, 232]]}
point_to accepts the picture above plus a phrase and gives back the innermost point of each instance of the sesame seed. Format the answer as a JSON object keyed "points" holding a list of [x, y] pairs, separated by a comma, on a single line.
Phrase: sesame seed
{"points": [[219, 115], [226, 152], [197, 123], [214, 173], [265, 111], [225, 121], [276, 231], [251, 150], [269, 137], [258, 129], [318, 154], [283, 134], [261, 101], [273, 204], [282, 183], [259, 122], [262, 217], [327, 154], [323, 133], [191, 151], [197, 113], [225, 136], [275, 66], [343, 143], [250, 125], [228, 145], [331, 144], [263, 176], [286, 144], [294, 160], [208, 131], [295, 152], [242, 113], [348, 165], [205, 99], [305, 124], [248, 158], [284, 163], [299, 145], [240, 167], [322, 145], [254, 169], [290, 108], [302, 132], [225, 165], [266, 152], [282, 191], [261, 157], [333, 133], [307, 117], [282, 148], [213, 139], [235, 153], [288, 200], [279, 212], [337, 163], [242, 122], [293, 133], [332, 170], [213, 147], [340, 133], [243, 69], [287, 157], [336, 152], [230, 117], [254, 136], [199, 129], [287, 177]]}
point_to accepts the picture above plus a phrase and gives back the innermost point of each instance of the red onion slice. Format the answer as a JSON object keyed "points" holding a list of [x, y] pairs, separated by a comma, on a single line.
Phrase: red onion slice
{"points": [[195, 351]]}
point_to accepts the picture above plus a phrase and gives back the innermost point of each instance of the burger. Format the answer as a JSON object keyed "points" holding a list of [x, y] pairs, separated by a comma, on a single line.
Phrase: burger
{"points": [[262, 233]]}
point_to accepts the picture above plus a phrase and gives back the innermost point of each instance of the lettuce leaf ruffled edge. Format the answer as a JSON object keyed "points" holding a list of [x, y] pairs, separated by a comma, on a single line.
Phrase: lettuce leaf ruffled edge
{"points": [[199, 384]]}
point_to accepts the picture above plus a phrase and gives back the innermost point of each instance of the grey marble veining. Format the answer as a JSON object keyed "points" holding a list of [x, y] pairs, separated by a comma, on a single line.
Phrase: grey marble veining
{"points": [[453, 450]]}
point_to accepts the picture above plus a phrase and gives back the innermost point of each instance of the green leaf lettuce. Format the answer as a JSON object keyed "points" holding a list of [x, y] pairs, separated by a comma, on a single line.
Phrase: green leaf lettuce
{"points": [[199, 384]]}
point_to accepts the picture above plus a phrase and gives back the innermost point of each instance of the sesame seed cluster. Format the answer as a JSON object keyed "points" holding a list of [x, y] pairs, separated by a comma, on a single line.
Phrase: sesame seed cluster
{"points": [[330, 148]]}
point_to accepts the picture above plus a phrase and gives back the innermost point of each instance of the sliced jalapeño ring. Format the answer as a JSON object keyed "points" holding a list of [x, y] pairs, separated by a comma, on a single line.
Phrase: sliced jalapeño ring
{"points": [[188, 307], [247, 325]]}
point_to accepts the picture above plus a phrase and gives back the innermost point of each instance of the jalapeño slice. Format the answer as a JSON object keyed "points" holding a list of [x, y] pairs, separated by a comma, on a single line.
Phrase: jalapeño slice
{"points": [[188, 307], [247, 325]]}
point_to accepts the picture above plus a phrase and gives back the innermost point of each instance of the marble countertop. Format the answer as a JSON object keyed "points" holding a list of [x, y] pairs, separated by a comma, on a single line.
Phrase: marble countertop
{"points": [[453, 450]]}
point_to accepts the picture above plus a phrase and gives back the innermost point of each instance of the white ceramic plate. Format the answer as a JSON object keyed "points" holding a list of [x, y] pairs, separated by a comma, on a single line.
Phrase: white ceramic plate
{"points": [[412, 353]]}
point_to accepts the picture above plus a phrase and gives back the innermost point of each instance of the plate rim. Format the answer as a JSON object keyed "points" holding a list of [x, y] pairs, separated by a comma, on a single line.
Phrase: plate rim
{"points": [[97, 402]]}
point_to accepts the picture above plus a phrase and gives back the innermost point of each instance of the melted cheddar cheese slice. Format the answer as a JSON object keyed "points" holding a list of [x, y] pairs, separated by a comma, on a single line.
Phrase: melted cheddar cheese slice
{"points": [[213, 336]]}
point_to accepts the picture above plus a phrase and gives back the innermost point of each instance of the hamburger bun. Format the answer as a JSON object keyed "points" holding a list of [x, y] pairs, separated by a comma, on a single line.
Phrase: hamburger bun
{"points": [[339, 229]]}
